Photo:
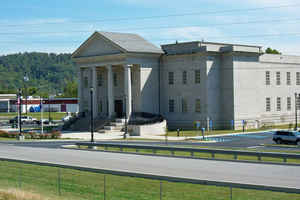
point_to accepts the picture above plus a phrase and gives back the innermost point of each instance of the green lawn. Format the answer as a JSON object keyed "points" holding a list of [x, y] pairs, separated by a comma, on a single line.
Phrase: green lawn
{"points": [[62, 184], [53, 115], [189, 133]]}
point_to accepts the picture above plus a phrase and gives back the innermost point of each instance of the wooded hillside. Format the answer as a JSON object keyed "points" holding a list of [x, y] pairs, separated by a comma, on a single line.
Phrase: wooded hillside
{"points": [[48, 73]]}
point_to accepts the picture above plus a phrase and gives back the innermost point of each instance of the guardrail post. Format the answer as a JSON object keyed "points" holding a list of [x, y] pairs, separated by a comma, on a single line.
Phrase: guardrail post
{"points": [[284, 159], [192, 154], [136, 150], [121, 148], [58, 181], [235, 156], [230, 193], [259, 157], [154, 151], [212, 154], [172, 152]]}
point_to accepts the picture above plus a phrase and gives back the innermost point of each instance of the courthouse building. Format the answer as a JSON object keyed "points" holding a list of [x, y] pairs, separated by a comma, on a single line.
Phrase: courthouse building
{"points": [[220, 85]]}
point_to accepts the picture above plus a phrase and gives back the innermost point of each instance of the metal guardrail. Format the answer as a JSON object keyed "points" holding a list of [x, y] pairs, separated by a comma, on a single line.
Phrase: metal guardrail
{"points": [[234, 153]]}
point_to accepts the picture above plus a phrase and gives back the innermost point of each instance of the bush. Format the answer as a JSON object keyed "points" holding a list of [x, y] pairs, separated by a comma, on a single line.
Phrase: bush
{"points": [[32, 135]]}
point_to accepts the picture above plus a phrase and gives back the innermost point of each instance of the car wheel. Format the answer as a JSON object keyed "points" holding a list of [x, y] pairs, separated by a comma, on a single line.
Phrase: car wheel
{"points": [[278, 141]]}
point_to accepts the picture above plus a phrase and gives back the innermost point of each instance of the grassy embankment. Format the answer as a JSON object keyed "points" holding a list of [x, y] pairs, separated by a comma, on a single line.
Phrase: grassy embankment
{"points": [[77, 185]]}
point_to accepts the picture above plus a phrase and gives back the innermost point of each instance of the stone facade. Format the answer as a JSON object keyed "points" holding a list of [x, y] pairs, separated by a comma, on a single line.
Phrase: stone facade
{"points": [[220, 85]]}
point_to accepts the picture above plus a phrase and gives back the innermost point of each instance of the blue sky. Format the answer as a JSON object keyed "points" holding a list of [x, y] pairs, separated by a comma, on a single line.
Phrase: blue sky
{"points": [[62, 25]]}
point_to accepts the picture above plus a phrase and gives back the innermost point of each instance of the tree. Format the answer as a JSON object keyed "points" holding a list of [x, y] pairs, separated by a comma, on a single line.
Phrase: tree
{"points": [[272, 51], [70, 90]]}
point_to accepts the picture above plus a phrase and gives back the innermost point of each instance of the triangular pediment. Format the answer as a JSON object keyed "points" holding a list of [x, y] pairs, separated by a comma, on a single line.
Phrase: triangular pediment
{"points": [[97, 45]]}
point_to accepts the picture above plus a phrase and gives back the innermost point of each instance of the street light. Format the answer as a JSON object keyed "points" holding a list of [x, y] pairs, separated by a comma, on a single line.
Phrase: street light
{"points": [[19, 111], [26, 79], [92, 119]]}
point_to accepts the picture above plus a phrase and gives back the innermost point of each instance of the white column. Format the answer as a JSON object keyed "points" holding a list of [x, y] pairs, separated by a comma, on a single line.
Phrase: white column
{"points": [[8, 106], [127, 90], [95, 99], [79, 96], [110, 91]]}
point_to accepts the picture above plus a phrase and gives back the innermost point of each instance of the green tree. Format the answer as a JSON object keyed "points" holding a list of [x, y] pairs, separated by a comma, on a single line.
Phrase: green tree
{"points": [[272, 51]]}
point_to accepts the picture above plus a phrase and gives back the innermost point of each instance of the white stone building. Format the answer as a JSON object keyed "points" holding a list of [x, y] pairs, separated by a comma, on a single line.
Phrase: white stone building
{"points": [[218, 84]]}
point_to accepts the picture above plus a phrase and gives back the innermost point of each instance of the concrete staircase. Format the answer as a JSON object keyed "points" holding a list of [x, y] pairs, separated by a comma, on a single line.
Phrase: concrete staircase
{"points": [[83, 124], [114, 126]]}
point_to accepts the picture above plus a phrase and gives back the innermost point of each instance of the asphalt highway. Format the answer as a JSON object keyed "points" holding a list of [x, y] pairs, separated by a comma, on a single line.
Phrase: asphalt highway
{"points": [[221, 171]]}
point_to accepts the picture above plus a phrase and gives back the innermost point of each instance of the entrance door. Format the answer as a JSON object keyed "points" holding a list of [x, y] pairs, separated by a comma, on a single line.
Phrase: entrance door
{"points": [[63, 108], [119, 108]]}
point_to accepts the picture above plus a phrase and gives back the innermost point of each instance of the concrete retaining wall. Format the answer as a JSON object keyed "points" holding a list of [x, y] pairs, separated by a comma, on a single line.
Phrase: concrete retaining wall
{"points": [[149, 129]]}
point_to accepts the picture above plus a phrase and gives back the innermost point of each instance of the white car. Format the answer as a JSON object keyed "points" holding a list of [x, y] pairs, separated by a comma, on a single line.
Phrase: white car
{"points": [[66, 118]]}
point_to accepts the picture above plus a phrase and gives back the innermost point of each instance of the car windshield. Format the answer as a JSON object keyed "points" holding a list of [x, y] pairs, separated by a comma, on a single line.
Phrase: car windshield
{"points": [[297, 133]]}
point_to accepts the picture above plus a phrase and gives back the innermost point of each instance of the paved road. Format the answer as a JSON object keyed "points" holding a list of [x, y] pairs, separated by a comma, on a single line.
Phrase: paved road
{"points": [[210, 170]]}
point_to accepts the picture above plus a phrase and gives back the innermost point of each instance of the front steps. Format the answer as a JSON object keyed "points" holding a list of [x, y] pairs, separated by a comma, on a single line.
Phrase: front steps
{"points": [[116, 126]]}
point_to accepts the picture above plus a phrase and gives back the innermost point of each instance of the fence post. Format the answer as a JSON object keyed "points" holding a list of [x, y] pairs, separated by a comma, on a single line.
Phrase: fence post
{"points": [[213, 155], [58, 181], [230, 193], [20, 177], [104, 187], [160, 191]]}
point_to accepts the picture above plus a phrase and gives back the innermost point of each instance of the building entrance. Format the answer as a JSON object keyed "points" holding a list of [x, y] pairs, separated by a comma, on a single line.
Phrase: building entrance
{"points": [[119, 108]]}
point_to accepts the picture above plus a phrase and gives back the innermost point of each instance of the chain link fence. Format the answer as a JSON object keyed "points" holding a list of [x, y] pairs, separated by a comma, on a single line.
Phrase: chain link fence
{"points": [[62, 183]]}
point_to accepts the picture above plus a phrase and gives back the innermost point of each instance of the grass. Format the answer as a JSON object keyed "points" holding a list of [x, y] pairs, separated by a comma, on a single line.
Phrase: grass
{"points": [[13, 194], [53, 115], [191, 133], [63, 184], [202, 155]]}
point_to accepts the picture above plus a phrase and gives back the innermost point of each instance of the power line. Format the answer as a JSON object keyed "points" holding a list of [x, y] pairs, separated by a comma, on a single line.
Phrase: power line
{"points": [[159, 16], [170, 39], [157, 27]]}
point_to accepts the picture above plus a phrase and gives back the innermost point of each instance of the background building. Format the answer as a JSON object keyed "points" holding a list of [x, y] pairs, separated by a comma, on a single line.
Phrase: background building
{"points": [[221, 85]]}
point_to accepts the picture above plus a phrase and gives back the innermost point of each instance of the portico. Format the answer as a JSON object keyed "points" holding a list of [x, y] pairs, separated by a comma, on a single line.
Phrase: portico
{"points": [[119, 75]]}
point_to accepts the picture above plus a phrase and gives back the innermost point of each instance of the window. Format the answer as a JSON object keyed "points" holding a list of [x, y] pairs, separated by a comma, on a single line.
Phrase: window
{"points": [[298, 78], [289, 103], [115, 77], [184, 106], [288, 78], [268, 104], [171, 105], [278, 104], [99, 79], [277, 78], [86, 82], [267, 77], [184, 76], [197, 76], [198, 106], [171, 78]]}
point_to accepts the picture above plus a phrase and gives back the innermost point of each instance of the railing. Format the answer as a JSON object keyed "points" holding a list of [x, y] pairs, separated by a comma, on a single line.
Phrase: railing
{"points": [[192, 151]]}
